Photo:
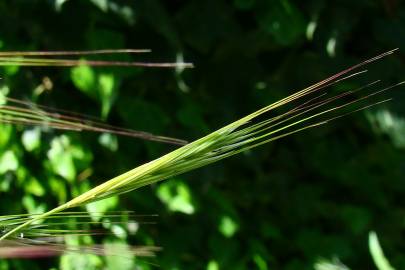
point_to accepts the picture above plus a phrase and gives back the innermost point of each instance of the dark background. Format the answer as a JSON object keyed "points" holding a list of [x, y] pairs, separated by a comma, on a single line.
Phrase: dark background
{"points": [[285, 205]]}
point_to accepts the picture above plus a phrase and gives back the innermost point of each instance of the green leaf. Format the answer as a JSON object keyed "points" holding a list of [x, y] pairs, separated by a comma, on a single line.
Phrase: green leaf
{"points": [[61, 158], [260, 262], [387, 122], [124, 261], [227, 226], [101, 4], [8, 162], [109, 141], [58, 188], [99, 86], [76, 260], [212, 265], [58, 4], [106, 86], [32, 206], [2, 97], [96, 209], [4, 265], [31, 139], [334, 264], [5, 134], [177, 197], [84, 78], [34, 187], [377, 253]]}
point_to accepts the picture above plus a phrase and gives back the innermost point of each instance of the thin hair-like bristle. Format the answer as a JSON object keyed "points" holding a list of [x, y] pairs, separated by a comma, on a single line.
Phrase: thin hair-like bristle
{"points": [[49, 239], [30, 114], [46, 59], [41, 62], [73, 53]]}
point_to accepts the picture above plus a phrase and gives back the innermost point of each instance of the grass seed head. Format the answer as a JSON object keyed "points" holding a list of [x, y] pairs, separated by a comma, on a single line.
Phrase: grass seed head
{"points": [[308, 108]]}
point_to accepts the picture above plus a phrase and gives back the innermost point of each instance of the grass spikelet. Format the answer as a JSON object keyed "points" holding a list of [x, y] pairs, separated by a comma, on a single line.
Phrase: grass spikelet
{"points": [[314, 108], [26, 113], [45, 59]]}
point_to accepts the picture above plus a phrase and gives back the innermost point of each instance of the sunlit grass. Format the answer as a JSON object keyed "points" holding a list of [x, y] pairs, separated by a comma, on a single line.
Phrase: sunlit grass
{"points": [[305, 109]]}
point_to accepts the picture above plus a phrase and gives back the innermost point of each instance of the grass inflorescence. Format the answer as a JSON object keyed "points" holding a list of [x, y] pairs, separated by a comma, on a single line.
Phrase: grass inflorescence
{"points": [[305, 109]]}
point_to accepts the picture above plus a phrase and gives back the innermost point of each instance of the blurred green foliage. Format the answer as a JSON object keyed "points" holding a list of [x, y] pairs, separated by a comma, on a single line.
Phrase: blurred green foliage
{"points": [[284, 206]]}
